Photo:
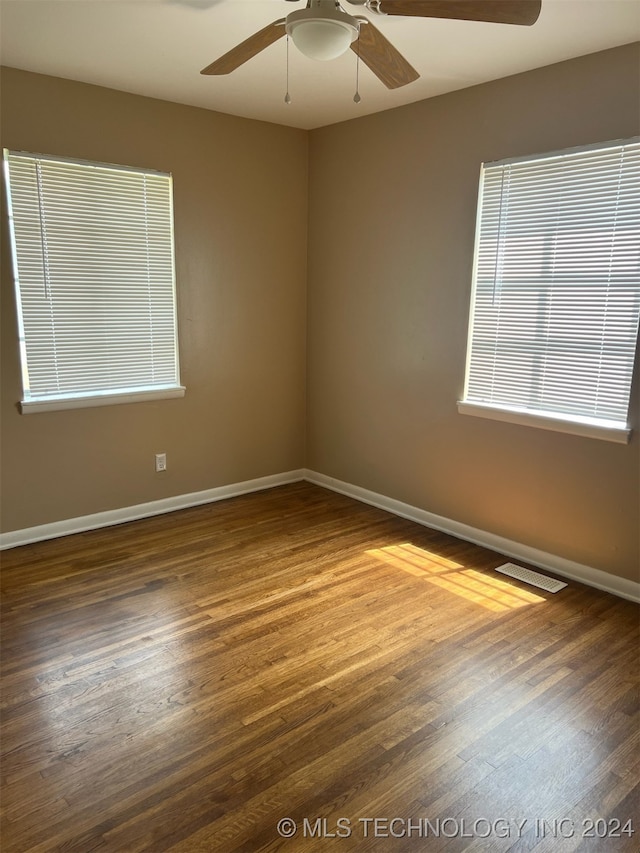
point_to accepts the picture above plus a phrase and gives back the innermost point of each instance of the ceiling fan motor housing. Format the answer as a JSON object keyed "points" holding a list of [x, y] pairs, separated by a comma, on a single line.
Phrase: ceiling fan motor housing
{"points": [[322, 30]]}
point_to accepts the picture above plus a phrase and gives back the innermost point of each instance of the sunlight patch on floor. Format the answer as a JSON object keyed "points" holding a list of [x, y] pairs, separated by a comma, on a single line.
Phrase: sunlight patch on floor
{"points": [[481, 588]]}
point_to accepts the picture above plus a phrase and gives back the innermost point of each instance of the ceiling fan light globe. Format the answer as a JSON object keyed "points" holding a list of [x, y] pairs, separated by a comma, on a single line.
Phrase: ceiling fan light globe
{"points": [[322, 30], [322, 40]]}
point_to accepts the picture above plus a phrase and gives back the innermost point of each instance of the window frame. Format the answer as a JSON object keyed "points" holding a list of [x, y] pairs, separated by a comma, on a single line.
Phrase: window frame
{"points": [[119, 393], [549, 420]]}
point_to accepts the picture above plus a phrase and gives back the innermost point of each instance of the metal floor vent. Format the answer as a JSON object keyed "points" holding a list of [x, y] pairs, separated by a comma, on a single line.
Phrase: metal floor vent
{"points": [[531, 577]]}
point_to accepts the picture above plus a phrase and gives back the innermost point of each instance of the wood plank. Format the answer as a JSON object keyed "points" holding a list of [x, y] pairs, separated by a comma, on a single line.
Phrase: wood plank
{"points": [[181, 683]]}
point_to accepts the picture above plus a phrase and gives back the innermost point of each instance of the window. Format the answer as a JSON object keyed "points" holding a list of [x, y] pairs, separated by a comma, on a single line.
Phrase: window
{"points": [[556, 291], [94, 271]]}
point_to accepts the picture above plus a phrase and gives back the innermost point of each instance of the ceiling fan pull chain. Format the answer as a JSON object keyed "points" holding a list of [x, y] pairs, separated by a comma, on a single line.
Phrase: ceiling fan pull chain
{"points": [[356, 97], [287, 97]]}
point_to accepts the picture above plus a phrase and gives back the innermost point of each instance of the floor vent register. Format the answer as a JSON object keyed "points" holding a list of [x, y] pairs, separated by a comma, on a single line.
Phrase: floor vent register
{"points": [[531, 577]]}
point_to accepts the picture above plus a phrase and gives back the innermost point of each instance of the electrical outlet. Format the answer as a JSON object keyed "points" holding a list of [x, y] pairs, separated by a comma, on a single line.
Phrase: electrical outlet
{"points": [[161, 461]]}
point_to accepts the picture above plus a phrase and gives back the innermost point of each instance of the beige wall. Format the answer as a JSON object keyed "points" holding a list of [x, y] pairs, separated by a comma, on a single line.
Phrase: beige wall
{"points": [[392, 215], [391, 209], [240, 196]]}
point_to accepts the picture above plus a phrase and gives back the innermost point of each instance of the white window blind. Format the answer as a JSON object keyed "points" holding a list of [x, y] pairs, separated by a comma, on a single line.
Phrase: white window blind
{"points": [[556, 290], [94, 271]]}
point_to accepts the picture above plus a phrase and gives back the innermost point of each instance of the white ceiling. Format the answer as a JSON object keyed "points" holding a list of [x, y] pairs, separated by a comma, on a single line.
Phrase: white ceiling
{"points": [[157, 48]]}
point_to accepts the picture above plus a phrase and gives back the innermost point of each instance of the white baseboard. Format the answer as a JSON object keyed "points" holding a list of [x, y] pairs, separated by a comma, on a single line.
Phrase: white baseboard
{"points": [[559, 565], [145, 510]]}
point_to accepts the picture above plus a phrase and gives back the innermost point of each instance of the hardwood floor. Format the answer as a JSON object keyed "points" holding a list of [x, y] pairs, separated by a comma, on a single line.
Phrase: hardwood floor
{"points": [[187, 681]]}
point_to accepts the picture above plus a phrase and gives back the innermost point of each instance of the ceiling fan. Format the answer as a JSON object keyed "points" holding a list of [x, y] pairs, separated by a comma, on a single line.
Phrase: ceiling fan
{"points": [[323, 30]]}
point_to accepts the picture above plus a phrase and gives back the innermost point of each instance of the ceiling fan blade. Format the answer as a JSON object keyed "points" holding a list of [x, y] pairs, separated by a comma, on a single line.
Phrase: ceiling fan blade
{"points": [[378, 54], [247, 49], [524, 12]]}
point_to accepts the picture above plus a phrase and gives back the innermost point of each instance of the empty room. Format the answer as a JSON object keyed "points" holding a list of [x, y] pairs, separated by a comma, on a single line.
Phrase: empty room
{"points": [[320, 485]]}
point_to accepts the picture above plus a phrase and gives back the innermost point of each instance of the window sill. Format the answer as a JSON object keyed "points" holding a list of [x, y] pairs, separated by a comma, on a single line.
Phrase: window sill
{"points": [[557, 424], [55, 404]]}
